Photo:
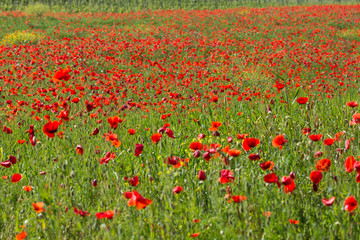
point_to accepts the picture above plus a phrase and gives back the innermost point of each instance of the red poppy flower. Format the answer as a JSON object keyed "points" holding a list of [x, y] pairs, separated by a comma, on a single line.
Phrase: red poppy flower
{"points": [[16, 178], [302, 100], [272, 178], [173, 160], [352, 104], [79, 149], [268, 165], [89, 107], [138, 149], [81, 212], [108, 214], [156, 137], [234, 152], [95, 132], [196, 146], [226, 149], [112, 137], [350, 204], [226, 176], [338, 136], [349, 163], [254, 157], [7, 130], [306, 131], [287, 180], [194, 234], [64, 115], [356, 118], [202, 175], [241, 136], [249, 143], [315, 138], [238, 198], [134, 181], [323, 165], [279, 86], [279, 141], [6, 164], [169, 133], [75, 100], [328, 202], [177, 189], [62, 74], [12, 159], [38, 207], [132, 131], [114, 121], [27, 188], [21, 235], [329, 141], [289, 183], [137, 200], [51, 128], [215, 126], [267, 214], [109, 156], [293, 221], [316, 177]]}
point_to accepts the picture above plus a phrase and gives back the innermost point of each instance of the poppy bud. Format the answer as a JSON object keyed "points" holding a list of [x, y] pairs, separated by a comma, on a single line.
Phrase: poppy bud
{"points": [[134, 181], [200, 136], [319, 154], [207, 156], [138, 149], [202, 175], [177, 189], [196, 154], [357, 166], [357, 178], [79, 149], [12, 159], [335, 178], [226, 161], [340, 150], [94, 182], [96, 131]]}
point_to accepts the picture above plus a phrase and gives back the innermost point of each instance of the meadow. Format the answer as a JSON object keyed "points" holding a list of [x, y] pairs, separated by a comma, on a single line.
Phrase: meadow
{"points": [[176, 124]]}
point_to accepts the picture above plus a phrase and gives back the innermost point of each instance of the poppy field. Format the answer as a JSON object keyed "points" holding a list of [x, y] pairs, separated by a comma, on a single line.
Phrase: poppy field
{"points": [[176, 124]]}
